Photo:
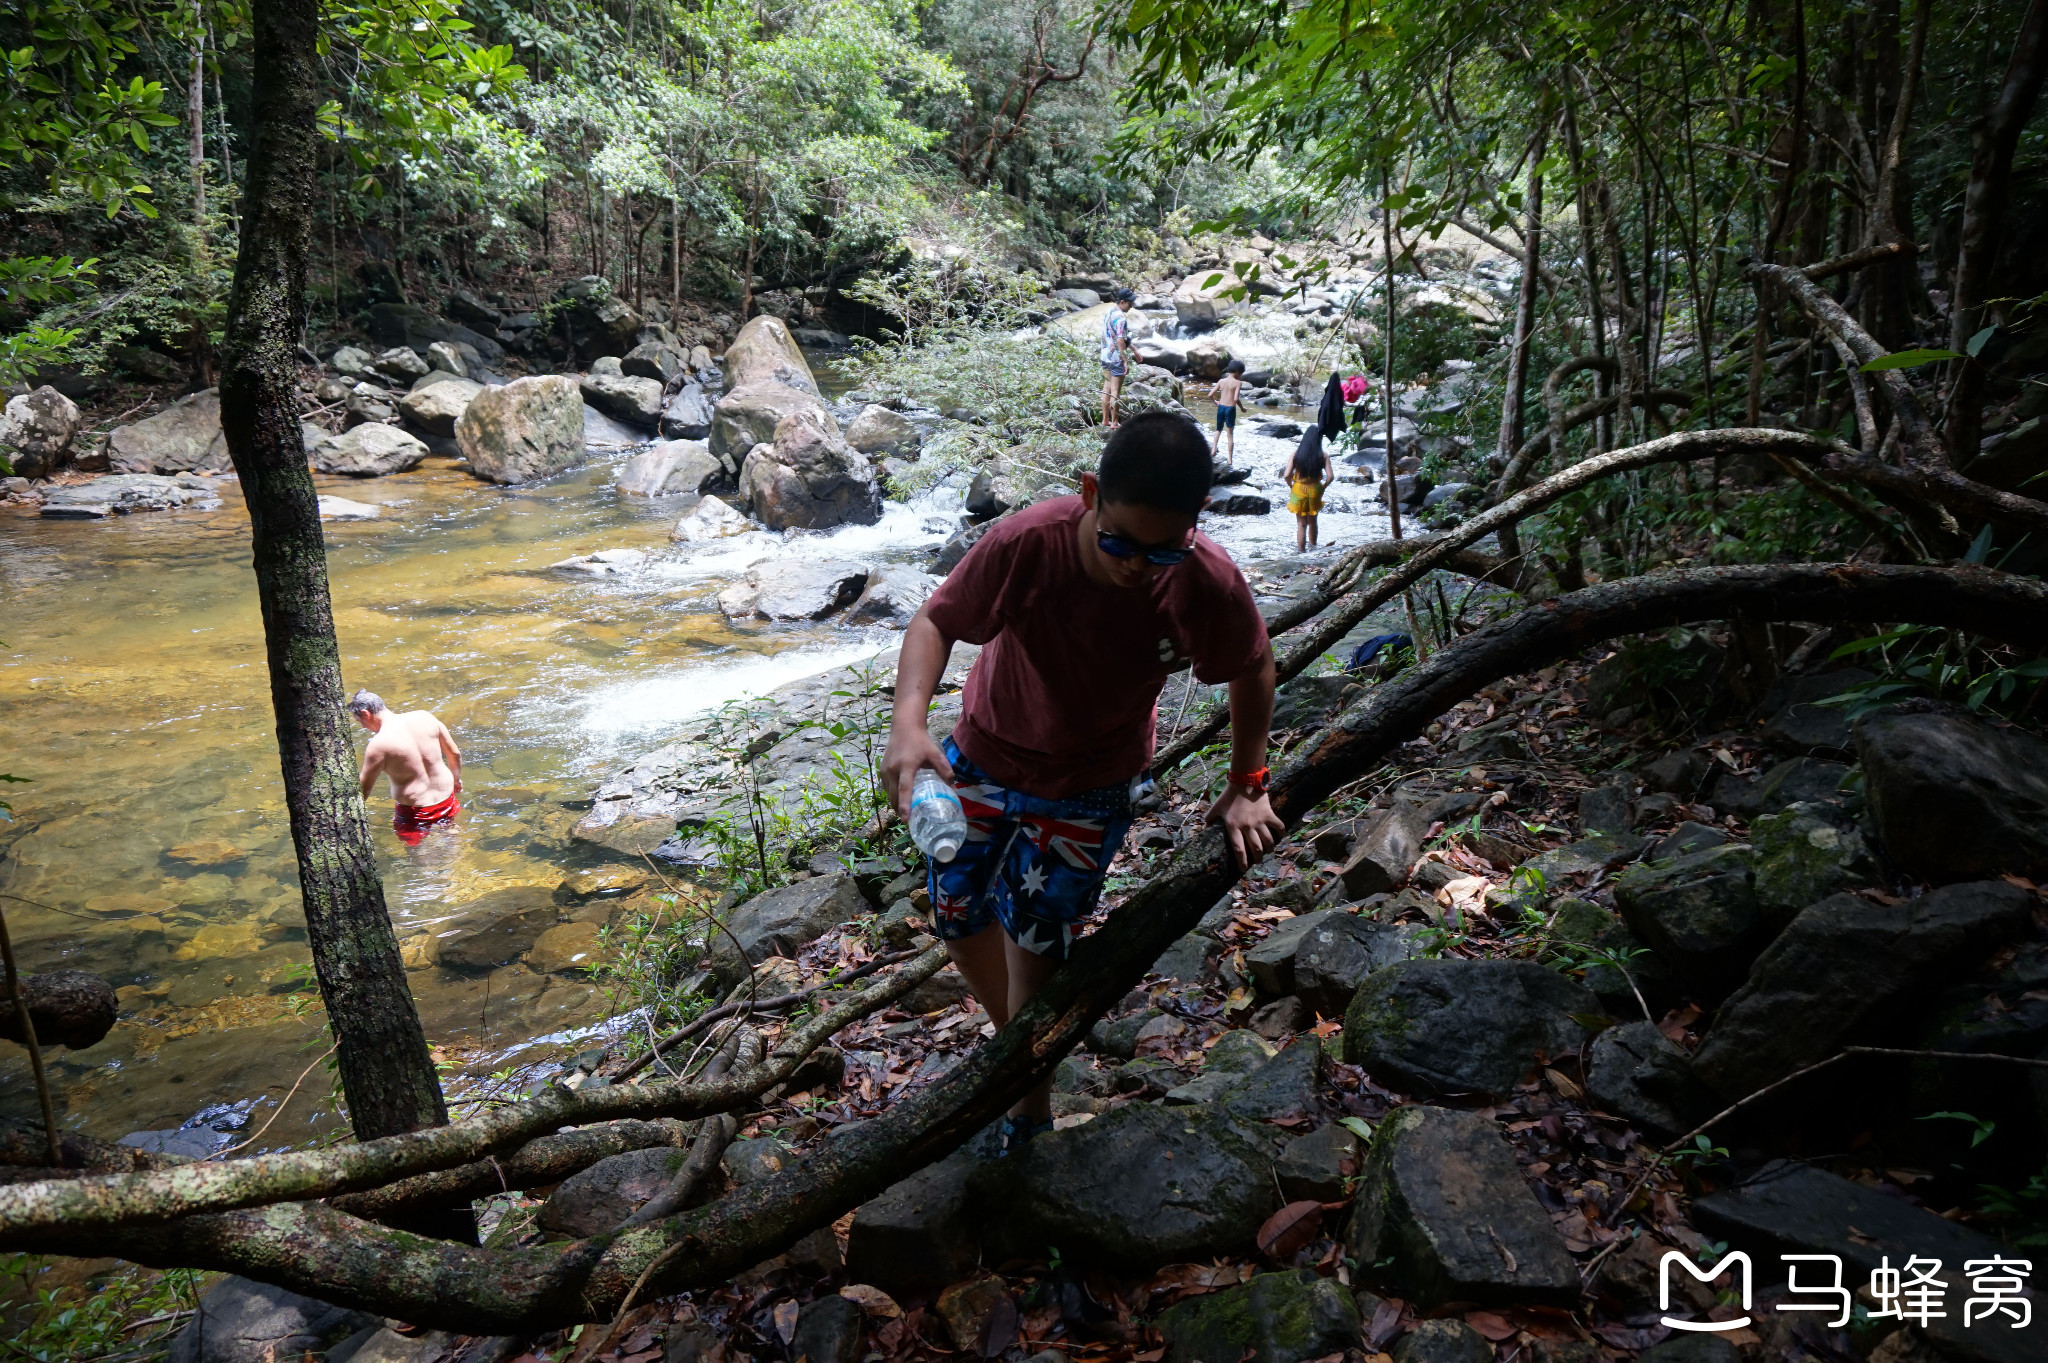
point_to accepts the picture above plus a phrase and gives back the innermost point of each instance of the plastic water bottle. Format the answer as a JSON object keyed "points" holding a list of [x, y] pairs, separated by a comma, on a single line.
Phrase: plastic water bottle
{"points": [[937, 823]]}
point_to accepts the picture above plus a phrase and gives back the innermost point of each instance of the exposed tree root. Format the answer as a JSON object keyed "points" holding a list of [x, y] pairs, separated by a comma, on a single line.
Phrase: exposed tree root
{"points": [[318, 1250]]}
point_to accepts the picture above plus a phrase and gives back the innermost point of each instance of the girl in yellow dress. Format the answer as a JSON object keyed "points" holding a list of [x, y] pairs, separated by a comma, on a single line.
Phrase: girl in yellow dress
{"points": [[1307, 474]]}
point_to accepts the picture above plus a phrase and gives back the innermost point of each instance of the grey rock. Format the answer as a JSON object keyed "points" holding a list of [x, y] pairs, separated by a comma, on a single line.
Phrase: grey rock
{"points": [[711, 519], [782, 922], [1687, 838], [1442, 1196], [406, 324], [809, 478], [1462, 1025], [670, 469], [1384, 850], [1798, 725], [1680, 771], [878, 432], [1282, 1017], [1080, 298], [1951, 796], [369, 404], [123, 494], [1443, 1341], [353, 362], [1339, 953], [1188, 960], [1605, 809], [240, 1321], [1594, 852], [1699, 913], [1240, 504], [599, 1198], [368, 451], [183, 438], [526, 429], [495, 929], [748, 416], [687, 415], [437, 406], [1806, 852], [892, 597], [37, 430], [1271, 960], [828, 1330], [1801, 779], [1287, 1317], [1308, 701], [448, 358], [634, 401], [1637, 1073], [982, 501], [751, 1161], [920, 1235], [765, 352], [1135, 1188], [1843, 967], [603, 563], [942, 990], [1277, 1089], [401, 362], [1314, 1167], [652, 360], [794, 589]]}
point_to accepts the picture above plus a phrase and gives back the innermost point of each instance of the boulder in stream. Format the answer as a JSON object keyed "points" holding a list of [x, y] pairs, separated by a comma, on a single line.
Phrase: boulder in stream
{"points": [[37, 430], [183, 438], [711, 519], [436, 405], [892, 597], [765, 352], [671, 468], [810, 478], [623, 397], [526, 429], [748, 416], [794, 589], [121, 494], [687, 415], [878, 433], [368, 451]]}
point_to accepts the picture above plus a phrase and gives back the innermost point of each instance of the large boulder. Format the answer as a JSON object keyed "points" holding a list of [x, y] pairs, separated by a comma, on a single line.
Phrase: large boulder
{"points": [[687, 415], [183, 438], [809, 478], [1442, 1197], [671, 468], [765, 352], [652, 360], [1287, 1317], [1133, 1189], [528, 428], [1463, 1025], [240, 1321], [880, 433], [435, 407], [921, 1234], [599, 321], [748, 416], [122, 494], [69, 1008], [1699, 913], [892, 597], [1950, 796], [794, 589], [1842, 970], [623, 397], [495, 929], [711, 519], [37, 430], [782, 922], [368, 451]]}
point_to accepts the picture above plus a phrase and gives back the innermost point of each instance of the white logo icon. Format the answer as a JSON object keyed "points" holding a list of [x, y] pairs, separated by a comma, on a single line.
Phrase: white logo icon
{"points": [[1706, 1275]]}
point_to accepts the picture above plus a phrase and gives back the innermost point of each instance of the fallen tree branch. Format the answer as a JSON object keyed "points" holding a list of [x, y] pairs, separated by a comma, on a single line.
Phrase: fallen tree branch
{"points": [[313, 1248], [1857, 260], [125, 1199], [544, 1160]]}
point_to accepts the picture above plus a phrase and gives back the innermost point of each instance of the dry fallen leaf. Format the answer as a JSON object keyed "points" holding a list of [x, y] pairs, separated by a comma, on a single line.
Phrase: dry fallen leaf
{"points": [[1495, 1328], [872, 1300], [785, 1320], [1290, 1229]]}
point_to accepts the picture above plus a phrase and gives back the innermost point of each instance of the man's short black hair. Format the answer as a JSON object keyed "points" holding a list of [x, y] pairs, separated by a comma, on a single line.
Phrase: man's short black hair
{"points": [[1124, 296], [1160, 460], [1234, 367]]}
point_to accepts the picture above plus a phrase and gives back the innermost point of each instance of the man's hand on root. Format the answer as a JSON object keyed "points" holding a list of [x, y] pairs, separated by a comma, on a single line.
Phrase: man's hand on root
{"points": [[1248, 822]]}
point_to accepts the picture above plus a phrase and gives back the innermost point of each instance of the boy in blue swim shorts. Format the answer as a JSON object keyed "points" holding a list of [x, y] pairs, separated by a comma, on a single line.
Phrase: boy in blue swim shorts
{"points": [[1083, 607]]}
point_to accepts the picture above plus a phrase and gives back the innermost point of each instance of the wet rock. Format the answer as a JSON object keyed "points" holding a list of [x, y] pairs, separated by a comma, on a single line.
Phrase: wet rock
{"points": [[828, 1330], [879, 433], [1461, 1026], [368, 451], [567, 948], [183, 438], [782, 922], [1806, 852], [765, 352], [711, 519], [342, 509], [1952, 797], [794, 589], [982, 501], [1135, 1188], [1637, 1073], [68, 1007], [240, 1321], [687, 415], [1442, 1196], [809, 478], [748, 416], [1443, 1341], [609, 1191], [603, 563], [652, 360], [529, 428], [671, 468], [606, 882], [1286, 1317], [123, 494], [1314, 1167], [1699, 913], [920, 1235], [635, 401], [601, 432], [36, 431], [436, 407], [892, 597], [496, 929], [1844, 967], [1239, 504], [402, 363]]}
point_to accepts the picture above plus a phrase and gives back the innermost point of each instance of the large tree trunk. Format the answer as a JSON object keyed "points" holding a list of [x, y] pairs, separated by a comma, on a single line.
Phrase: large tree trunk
{"points": [[1993, 140], [386, 1071]]}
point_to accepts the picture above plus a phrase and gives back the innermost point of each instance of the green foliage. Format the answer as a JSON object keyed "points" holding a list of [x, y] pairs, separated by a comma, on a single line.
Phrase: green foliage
{"points": [[646, 955], [128, 1313], [1945, 663]]}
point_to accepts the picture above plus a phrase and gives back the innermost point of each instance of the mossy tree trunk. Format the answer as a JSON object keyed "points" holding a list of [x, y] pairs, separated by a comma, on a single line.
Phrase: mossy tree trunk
{"points": [[387, 1073]]}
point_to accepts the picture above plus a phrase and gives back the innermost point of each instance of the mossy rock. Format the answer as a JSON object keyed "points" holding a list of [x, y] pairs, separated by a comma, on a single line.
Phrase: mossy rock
{"points": [[1281, 1317]]}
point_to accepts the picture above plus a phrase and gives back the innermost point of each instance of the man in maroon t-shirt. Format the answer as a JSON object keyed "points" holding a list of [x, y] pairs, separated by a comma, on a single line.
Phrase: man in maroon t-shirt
{"points": [[1084, 606]]}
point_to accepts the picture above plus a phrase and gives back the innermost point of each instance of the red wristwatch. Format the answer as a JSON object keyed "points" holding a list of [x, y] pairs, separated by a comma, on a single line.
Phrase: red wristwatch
{"points": [[1252, 782]]}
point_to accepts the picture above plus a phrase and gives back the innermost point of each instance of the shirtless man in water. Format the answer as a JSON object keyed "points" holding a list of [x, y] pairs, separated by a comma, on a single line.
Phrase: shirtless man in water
{"points": [[419, 755]]}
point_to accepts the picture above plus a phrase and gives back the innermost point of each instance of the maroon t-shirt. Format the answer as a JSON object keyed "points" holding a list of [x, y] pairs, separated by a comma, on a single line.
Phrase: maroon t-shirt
{"points": [[1064, 694]]}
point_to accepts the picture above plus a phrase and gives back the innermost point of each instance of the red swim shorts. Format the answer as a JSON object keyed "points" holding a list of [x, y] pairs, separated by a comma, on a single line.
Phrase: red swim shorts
{"points": [[411, 822]]}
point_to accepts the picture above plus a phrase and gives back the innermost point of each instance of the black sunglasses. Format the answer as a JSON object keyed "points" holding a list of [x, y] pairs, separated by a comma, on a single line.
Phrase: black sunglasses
{"points": [[1116, 546]]}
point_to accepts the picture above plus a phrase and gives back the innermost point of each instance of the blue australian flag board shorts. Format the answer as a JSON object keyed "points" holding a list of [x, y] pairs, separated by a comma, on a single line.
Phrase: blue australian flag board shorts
{"points": [[1035, 866]]}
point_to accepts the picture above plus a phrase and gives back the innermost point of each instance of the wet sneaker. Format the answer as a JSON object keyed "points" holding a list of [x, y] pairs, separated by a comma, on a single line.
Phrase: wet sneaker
{"points": [[1017, 1133]]}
